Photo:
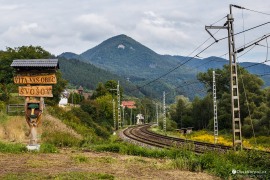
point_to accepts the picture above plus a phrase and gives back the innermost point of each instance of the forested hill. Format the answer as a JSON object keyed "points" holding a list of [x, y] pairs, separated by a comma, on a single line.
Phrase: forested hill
{"points": [[127, 58], [87, 75]]}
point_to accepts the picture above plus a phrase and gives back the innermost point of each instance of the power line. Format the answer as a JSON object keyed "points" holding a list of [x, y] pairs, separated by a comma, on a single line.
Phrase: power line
{"points": [[261, 75], [196, 55], [257, 11], [175, 67], [254, 27]]}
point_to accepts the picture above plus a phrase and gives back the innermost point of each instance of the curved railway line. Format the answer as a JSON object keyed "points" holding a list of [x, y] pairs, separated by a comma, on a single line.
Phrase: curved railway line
{"points": [[142, 135]]}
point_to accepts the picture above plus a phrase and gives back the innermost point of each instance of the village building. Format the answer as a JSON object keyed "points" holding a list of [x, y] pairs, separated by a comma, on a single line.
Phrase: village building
{"points": [[140, 119], [128, 104]]}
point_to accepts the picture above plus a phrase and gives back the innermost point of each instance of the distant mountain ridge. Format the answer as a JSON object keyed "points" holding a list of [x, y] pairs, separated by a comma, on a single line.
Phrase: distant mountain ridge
{"points": [[128, 58]]}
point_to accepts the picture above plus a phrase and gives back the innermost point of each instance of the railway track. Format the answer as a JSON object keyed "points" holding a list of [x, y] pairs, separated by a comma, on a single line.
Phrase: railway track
{"points": [[143, 135]]}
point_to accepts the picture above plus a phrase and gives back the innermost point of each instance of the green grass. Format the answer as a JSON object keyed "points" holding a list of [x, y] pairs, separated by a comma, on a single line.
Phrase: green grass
{"points": [[61, 176], [60, 139], [80, 159], [12, 148], [212, 162], [48, 148]]}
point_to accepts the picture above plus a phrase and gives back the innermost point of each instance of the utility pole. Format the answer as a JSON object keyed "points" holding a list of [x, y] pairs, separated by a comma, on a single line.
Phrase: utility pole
{"points": [[215, 109], [114, 120], [131, 117], [157, 112], [118, 106], [123, 108], [164, 113], [236, 123], [235, 105]]}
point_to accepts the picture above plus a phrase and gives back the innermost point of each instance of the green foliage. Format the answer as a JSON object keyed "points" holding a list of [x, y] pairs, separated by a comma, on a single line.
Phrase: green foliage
{"points": [[12, 148], [57, 89], [180, 110], [216, 163], [60, 139], [262, 140], [48, 148], [75, 98], [170, 124], [6, 72], [60, 176], [253, 102], [2, 105], [80, 159], [82, 123]]}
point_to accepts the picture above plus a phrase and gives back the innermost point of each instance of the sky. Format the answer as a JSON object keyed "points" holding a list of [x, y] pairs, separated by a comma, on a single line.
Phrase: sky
{"points": [[174, 27]]}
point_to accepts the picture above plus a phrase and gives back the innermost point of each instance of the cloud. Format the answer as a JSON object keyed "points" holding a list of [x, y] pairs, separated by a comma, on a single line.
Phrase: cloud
{"points": [[166, 26], [91, 27]]}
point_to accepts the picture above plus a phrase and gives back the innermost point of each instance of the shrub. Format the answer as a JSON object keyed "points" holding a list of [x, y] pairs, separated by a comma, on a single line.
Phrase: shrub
{"points": [[48, 148], [2, 105]]}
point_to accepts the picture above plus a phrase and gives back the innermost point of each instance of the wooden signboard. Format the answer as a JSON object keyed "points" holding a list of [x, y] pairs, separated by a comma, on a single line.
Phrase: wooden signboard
{"points": [[36, 91], [39, 79]]}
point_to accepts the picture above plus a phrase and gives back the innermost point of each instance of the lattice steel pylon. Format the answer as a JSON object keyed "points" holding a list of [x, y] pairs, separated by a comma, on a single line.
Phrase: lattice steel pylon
{"points": [[118, 106], [215, 109], [157, 112], [236, 122], [114, 120], [164, 113], [235, 105]]}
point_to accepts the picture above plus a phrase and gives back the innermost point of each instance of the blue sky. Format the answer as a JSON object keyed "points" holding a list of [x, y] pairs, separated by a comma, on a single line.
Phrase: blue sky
{"points": [[174, 27]]}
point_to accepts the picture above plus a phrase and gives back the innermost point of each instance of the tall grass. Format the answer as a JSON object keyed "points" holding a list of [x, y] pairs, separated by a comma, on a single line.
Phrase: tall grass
{"points": [[60, 139], [213, 162], [60, 176], [12, 148]]}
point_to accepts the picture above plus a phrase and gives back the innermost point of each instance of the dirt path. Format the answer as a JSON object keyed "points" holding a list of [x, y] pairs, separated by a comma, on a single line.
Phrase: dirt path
{"points": [[119, 166]]}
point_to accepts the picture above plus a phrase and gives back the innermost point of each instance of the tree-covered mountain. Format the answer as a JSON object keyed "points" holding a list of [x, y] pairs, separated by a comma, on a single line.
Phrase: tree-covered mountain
{"points": [[87, 75], [130, 59]]}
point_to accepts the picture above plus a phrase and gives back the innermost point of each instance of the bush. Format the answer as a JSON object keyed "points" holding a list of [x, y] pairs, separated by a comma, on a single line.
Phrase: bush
{"points": [[261, 140], [48, 148], [170, 124], [2, 105]]}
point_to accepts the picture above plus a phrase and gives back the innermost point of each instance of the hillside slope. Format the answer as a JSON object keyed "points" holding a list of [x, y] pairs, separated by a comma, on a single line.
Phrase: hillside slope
{"points": [[87, 75], [128, 58]]}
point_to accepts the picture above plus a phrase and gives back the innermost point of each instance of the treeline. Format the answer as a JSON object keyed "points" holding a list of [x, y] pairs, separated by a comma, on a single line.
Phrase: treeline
{"points": [[254, 104], [87, 75], [7, 85]]}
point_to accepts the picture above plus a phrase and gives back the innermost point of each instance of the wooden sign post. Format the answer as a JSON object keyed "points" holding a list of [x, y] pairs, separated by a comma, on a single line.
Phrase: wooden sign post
{"points": [[36, 75]]}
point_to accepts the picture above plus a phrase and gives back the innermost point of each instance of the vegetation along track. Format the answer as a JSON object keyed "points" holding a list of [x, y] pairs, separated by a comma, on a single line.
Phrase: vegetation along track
{"points": [[143, 135]]}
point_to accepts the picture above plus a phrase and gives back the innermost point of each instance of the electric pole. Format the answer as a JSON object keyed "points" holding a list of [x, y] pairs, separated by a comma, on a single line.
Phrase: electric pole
{"points": [[236, 123], [118, 106], [164, 113], [235, 105], [157, 112], [114, 120], [123, 108], [215, 109], [131, 117]]}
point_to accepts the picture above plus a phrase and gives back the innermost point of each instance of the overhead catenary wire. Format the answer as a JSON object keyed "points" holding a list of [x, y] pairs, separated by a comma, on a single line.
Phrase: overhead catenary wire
{"points": [[260, 12], [190, 58]]}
